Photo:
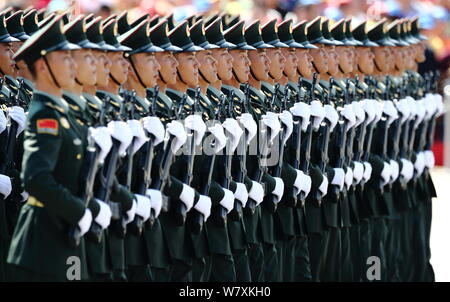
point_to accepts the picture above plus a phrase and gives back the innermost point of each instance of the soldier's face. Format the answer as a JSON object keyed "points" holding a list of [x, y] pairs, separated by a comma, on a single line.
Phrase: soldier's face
{"points": [[277, 62], [103, 66], [420, 52], [344, 57], [290, 67], [260, 63], [15, 46], [365, 60], [6, 61], [320, 59], [224, 63], [169, 65], [399, 58], [382, 58], [241, 64], [188, 68], [63, 67], [86, 72], [207, 65], [119, 66], [147, 67], [304, 65], [333, 66]]}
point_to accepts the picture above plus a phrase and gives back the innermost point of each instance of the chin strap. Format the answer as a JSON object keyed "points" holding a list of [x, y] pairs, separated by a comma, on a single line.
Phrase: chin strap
{"points": [[51, 72], [181, 78], [114, 79], [137, 73]]}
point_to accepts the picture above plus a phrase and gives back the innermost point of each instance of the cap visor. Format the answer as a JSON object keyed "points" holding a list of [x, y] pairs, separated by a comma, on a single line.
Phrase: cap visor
{"points": [[280, 44], [310, 46], [226, 44], [9, 39], [192, 49], [370, 44], [150, 49], [295, 45], [68, 46], [245, 47], [86, 44], [22, 36], [261, 45], [122, 48], [325, 42], [209, 46], [385, 42]]}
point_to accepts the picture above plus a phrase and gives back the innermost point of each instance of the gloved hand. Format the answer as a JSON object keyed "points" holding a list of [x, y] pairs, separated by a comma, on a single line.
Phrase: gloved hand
{"points": [[102, 138], [256, 192], [318, 112], [390, 111], [430, 106], [287, 120], [24, 196], [143, 206], [323, 188], [302, 110], [378, 105], [412, 107], [302, 183], [271, 121], [241, 193], [176, 129], [203, 205], [420, 113], [104, 215], [359, 113], [407, 171], [5, 185], [3, 121], [439, 104], [249, 124], [367, 171], [187, 196], [338, 178], [367, 105], [138, 134], [155, 200], [358, 171], [233, 132], [17, 114], [348, 177], [279, 188], [195, 123], [155, 127], [349, 115], [386, 173], [131, 212], [228, 200], [429, 159], [331, 115], [219, 137], [120, 131], [85, 222], [394, 170], [403, 108], [419, 164]]}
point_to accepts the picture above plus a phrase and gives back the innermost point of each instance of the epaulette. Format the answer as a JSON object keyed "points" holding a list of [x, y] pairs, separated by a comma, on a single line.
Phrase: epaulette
{"points": [[54, 106]]}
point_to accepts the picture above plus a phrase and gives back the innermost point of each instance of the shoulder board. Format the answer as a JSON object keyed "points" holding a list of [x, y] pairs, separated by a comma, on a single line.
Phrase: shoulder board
{"points": [[54, 106], [74, 107], [90, 104], [214, 98]]}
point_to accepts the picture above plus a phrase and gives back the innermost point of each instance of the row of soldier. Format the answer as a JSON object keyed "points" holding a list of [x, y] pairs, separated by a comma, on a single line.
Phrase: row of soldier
{"points": [[214, 151]]}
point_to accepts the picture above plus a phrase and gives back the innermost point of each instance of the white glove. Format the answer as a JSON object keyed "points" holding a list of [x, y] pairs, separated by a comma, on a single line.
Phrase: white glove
{"points": [[412, 107], [323, 188], [420, 113], [331, 115], [195, 123], [349, 115], [367, 171], [176, 129], [155, 127], [249, 124], [430, 106], [302, 182], [18, 115], [439, 104], [394, 170], [386, 173], [302, 110], [143, 206], [367, 105], [271, 121], [5, 185], [120, 131], [155, 200], [104, 215], [407, 169], [403, 108], [307, 182], [419, 164], [390, 111], [360, 114], [279, 188], [358, 171], [138, 134], [219, 137], [348, 177], [378, 106], [85, 222], [233, 132], [24, 196], [228, 200], [102, 138], [318, 112], [429, 159], [338, 178], [187, 196], [203, 205], [131, 212], [241, 193], [256, 192], [287, 120], [3, 121]]}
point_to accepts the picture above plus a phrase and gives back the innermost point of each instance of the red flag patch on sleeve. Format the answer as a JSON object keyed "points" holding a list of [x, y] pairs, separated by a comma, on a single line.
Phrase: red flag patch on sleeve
{"points": [[47, 126]]}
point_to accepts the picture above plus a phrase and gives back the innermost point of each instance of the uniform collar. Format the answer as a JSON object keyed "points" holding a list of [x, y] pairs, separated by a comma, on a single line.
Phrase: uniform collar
{"points": [[237, 92], [58, 101], [143, 102], [78, 99], [179, 95]]}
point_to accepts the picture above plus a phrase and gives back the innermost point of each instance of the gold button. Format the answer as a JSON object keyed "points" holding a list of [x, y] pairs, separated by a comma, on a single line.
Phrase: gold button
{"points": [[78, 156]]}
